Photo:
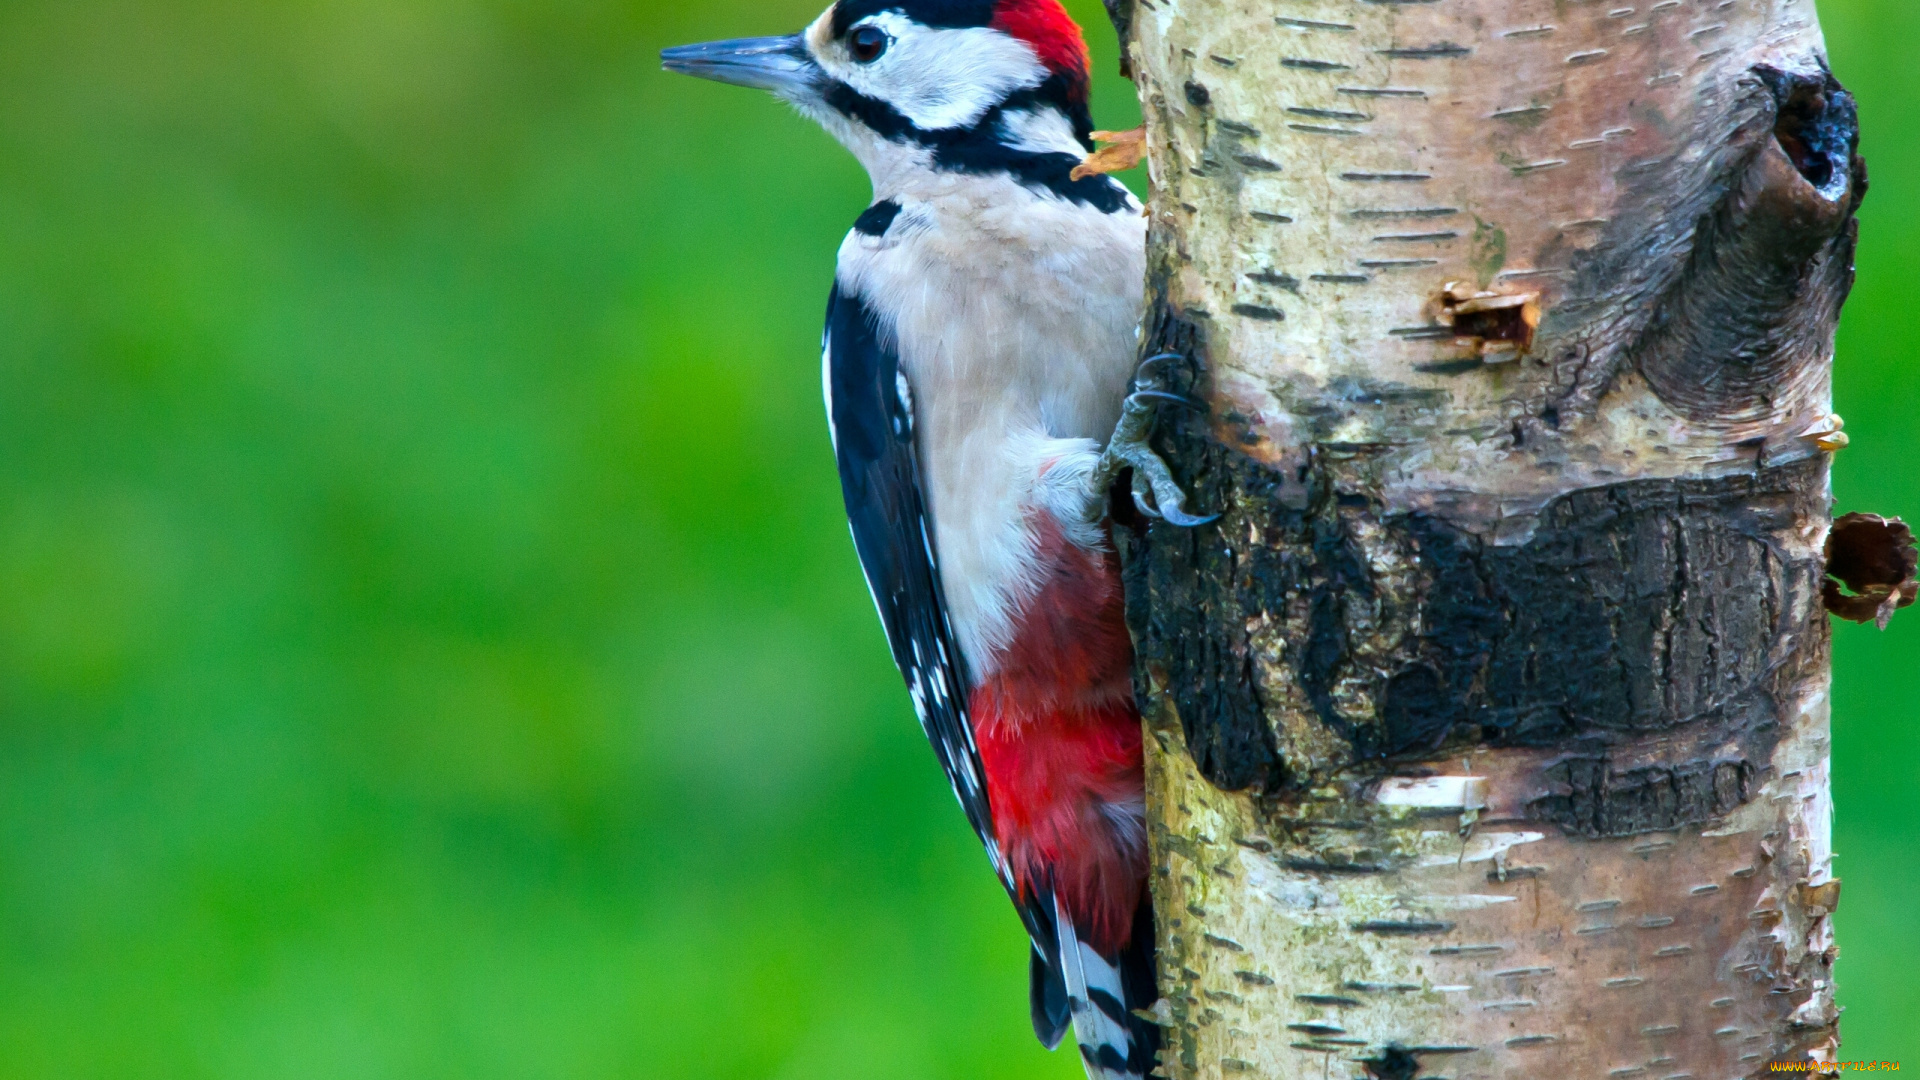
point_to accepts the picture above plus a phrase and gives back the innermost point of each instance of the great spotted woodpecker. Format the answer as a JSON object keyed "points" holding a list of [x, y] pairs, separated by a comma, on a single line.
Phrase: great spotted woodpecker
{"points": [[980, 340]]}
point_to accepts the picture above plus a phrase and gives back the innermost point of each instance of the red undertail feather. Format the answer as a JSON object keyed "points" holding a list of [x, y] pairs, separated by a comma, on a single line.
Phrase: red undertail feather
{"points": [[1055, 37], [1059, 738]]}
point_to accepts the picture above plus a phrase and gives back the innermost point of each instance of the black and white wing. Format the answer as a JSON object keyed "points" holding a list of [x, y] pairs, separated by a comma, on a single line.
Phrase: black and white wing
{"points": [[870, 409]]}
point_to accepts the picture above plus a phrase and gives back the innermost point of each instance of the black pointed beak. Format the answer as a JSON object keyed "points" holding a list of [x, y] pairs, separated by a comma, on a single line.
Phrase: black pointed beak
{"points": [[779, 64]]}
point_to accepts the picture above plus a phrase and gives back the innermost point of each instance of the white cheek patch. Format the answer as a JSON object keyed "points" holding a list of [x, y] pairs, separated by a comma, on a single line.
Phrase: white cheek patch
{"points": [[939, 79], [1041, 131]]}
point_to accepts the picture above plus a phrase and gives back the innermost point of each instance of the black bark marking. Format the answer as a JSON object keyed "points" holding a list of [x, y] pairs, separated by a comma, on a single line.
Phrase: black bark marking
{"points": [[1400, 928], [1446, 50], [1332, 1000], [1317, 1029], [1277, 280], [1321, 866], [1259, 312], [1308, 64], [1638, 608], [1599, 802], [1227, 732], [1393, 1063]]}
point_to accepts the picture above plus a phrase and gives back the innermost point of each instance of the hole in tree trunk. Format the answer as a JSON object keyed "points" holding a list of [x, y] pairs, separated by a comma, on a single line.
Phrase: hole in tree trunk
{"points": [[1496, 325], [1818, 126]]}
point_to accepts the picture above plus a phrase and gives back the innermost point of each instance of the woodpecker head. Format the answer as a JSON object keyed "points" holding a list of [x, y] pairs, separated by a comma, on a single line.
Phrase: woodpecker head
{"points": [[968, 86]]}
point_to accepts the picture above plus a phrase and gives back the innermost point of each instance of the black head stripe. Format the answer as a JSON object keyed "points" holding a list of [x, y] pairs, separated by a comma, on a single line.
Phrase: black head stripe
{"points": [[977, 150], [1041, 172], [883, 118], [944, 14]]}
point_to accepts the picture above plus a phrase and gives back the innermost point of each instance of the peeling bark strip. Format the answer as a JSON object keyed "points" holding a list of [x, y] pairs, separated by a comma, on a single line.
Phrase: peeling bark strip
{"points": [[1490, 719]]}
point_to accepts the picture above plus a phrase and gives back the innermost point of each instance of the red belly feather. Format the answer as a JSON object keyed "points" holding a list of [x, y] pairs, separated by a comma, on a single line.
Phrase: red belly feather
{"points": [[1060, 741]]}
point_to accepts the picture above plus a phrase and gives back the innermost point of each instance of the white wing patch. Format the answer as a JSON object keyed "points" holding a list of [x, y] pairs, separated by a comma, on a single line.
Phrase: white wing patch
{"points": [[1040, 131], [826, 390]]}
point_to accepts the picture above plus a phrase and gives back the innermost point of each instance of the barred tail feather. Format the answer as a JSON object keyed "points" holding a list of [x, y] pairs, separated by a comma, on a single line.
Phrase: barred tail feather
{"points": [[1047, 991], [1102, 993]]}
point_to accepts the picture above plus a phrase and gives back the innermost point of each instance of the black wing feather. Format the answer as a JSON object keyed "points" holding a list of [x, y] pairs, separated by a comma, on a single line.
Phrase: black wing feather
{"points": [[870, 406]]}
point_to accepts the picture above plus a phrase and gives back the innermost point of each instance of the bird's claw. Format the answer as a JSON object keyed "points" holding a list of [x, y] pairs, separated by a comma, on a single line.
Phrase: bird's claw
{"points": [[1143, 376], [1155, 492], [1162, 395], [1169, 502]]}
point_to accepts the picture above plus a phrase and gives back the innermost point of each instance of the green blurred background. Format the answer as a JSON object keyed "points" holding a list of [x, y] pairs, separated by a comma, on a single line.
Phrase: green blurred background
{"points": [[429, 642]]}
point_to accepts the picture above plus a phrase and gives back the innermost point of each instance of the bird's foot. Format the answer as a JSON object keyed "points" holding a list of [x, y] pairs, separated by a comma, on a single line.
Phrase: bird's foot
{"points": [[1155, 492]]}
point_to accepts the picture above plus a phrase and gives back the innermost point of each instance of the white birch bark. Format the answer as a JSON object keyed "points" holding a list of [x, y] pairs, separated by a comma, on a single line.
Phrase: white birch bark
{"points": [[1490, 723]]}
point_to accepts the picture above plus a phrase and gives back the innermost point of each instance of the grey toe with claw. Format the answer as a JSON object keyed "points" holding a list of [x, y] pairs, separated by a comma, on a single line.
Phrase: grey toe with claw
{"points": [[1155, 492]]}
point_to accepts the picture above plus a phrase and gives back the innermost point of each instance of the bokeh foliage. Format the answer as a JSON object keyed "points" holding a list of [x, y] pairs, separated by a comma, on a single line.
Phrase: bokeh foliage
{"points": [[429, 644]]}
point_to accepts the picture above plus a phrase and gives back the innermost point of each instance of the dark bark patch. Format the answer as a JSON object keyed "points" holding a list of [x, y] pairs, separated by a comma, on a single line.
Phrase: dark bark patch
{"points": [[1637, 608], [1317, 1029], [1221, 711], [1393, 1063], [1871, 563], [1595, 801], [1449, 367]]}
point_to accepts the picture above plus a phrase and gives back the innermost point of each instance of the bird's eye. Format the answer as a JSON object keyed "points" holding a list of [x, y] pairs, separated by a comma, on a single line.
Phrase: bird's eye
{"points": [[868, 43]]}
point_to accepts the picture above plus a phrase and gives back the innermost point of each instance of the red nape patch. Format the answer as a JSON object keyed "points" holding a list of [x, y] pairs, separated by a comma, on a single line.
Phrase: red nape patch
{"points": [[1055, 37]]}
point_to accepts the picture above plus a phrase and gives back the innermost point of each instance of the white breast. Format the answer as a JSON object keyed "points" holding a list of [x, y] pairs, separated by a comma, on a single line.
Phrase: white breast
{"points": [[1016, 317]]}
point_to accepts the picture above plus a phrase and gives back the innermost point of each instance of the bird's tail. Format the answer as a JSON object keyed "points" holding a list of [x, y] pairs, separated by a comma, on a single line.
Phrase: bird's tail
{"points": [[1099, 994]]}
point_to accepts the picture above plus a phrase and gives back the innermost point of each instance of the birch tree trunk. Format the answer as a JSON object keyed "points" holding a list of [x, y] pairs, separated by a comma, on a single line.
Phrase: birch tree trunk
{"points": [[1489, 724]]}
